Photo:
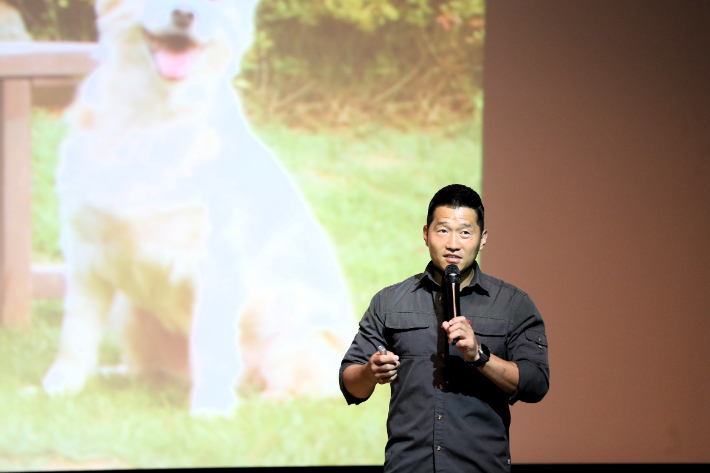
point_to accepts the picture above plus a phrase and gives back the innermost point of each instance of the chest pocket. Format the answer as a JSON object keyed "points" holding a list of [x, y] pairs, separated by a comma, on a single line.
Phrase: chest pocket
{"points": [[492, 333], [411, 334]]}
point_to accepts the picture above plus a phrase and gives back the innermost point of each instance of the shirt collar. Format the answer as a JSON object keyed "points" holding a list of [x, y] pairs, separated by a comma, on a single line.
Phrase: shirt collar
{"points": [[478, 282]]}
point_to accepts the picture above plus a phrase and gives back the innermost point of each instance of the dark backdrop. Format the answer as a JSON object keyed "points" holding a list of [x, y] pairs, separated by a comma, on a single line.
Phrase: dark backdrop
{"points": [[596, 180]]}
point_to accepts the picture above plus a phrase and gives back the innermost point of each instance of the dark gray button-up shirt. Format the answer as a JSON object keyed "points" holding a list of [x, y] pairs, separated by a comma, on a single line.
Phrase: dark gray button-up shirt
{"points": [[445, 415]]}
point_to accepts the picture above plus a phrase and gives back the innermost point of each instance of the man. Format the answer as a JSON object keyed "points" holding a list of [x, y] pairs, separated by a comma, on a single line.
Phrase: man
{"points": [[451, 380]]}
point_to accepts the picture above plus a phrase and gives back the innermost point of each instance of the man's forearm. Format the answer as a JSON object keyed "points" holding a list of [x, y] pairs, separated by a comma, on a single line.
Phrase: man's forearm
{"points": [[358, 380], [504, 374]]}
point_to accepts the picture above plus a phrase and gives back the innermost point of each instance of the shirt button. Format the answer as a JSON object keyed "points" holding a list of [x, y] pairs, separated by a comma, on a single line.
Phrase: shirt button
{"points": [[438, 447], [440, 417]]}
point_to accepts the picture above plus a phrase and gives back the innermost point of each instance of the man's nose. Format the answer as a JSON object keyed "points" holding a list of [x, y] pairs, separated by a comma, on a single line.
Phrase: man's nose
{"points": [[453, 242]]}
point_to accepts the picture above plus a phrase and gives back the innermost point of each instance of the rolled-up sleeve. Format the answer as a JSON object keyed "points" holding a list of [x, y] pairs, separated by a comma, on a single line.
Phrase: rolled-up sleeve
{"points": [[369, 336], [527, 348]]}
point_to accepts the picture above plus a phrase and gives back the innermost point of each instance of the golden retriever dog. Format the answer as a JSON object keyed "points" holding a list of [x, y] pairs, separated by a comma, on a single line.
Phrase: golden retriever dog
{"points": [[180, 230]]}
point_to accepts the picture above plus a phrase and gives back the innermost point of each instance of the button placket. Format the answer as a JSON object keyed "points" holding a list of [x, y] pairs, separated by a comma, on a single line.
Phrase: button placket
{"points": [[439, 411]]}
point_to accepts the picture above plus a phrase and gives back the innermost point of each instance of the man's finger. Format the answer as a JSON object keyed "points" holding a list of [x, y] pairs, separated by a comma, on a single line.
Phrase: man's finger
{"points": [[381, 363], [458, 333], [388, 379], [460, 329], [453, 326], [384, 359], [463, 321]]}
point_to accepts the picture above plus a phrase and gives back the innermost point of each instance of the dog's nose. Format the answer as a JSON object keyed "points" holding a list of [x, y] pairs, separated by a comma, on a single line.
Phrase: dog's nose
{"points": [[183, 18]]}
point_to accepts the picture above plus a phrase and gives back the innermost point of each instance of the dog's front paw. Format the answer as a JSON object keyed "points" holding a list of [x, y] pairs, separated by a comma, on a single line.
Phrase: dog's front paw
{"points": [[212, 401], [64, 379]]}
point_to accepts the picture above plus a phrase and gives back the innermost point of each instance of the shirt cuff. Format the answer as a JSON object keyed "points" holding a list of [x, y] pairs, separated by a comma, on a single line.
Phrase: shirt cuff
{"points": [[532, 383], [349, 397]]}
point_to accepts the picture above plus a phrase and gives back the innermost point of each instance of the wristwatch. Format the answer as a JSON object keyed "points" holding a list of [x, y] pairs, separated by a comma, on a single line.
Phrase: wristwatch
{"points": [[484, 354]]}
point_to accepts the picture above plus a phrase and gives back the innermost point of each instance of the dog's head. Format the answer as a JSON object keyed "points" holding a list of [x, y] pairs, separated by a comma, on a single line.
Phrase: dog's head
{"points": [[178, 40]]}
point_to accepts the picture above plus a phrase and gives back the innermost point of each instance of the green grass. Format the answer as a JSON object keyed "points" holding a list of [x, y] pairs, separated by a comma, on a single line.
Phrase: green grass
{"points": [[47, 132], [369, 191], [122, 422]]}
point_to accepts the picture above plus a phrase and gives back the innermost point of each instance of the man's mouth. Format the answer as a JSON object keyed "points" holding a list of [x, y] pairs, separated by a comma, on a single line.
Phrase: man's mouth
{"points": [[175, 54], [452, 258]]}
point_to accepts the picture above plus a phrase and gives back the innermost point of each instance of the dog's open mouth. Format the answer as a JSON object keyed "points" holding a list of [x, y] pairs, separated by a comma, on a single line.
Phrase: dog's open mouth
{"points": [[174, 54]]}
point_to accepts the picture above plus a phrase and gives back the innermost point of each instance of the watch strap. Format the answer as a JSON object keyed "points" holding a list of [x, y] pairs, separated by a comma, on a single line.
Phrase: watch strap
{"points": [[484, 354]]}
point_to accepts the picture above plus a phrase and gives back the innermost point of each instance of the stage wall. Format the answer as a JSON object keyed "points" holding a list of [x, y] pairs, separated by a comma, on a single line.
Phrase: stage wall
{"points": [[596, 145]]}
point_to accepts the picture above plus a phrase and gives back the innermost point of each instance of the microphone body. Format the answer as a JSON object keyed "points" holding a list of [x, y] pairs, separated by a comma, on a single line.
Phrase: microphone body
{"points": [[451, 285]]}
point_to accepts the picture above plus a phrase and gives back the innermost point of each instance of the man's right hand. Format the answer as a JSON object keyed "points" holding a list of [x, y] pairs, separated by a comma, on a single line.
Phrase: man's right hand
{"points": [[383, 368], [360, 380]]}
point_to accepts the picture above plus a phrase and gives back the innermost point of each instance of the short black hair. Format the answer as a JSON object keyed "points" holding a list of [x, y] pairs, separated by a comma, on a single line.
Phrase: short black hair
{"points": [[455, 196]]}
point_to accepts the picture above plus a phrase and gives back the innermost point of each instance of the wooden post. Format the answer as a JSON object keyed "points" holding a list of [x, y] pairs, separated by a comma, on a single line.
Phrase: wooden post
{"points": [[20, 63], [15, 201]]}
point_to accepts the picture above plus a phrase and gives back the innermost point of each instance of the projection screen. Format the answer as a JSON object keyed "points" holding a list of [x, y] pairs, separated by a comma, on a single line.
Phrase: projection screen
{"points": [[217, 189]]}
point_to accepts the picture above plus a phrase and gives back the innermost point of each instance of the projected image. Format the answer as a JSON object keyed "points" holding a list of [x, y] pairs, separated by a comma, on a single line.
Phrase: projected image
{"points": [[216, 199]]}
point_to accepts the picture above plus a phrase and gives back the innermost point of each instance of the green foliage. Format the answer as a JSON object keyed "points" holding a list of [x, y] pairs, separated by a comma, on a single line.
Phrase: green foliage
{"points": [[371, 14], [68, 20], [338, 63]]}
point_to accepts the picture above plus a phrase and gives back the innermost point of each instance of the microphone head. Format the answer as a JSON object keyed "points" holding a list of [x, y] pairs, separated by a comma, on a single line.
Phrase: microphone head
{"points": [[452, 274]]}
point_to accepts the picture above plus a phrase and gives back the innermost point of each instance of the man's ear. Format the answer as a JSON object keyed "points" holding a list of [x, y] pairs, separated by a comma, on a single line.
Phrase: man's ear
{"points": [[426, 236], [484, 238]]}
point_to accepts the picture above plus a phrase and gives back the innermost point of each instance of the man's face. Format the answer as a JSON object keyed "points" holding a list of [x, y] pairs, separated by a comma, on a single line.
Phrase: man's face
{"points": [[454, 237]]}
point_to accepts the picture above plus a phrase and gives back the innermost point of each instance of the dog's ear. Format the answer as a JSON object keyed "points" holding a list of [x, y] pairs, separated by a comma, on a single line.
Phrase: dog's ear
{"points": [[105, 6]]}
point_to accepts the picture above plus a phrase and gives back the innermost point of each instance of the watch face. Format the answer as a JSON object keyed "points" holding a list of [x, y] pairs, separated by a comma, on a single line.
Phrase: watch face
{"points": [[484, 356]]}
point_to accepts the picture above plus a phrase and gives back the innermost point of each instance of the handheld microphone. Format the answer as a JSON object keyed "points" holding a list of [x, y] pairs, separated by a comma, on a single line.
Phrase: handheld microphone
{"points": [[451, 285]]}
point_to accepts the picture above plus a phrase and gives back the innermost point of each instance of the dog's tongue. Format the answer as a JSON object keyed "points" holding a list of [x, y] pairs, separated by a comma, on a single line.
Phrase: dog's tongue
{"points": [[175, 65]]}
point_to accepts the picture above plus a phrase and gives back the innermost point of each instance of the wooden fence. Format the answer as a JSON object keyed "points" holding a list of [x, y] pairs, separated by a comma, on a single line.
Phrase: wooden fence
{"points": [[24, 67]]}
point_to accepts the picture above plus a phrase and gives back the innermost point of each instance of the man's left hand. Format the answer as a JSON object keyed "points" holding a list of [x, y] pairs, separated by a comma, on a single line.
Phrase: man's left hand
{"points": [[460, 328]]}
